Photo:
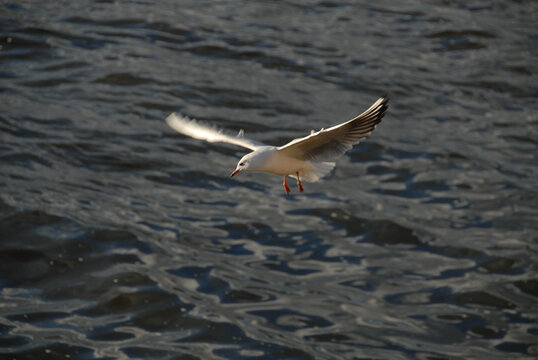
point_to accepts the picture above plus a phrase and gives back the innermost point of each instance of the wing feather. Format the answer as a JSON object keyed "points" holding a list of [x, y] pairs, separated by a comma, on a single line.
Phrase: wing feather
{"points": [[328, 144], [194, 129]]}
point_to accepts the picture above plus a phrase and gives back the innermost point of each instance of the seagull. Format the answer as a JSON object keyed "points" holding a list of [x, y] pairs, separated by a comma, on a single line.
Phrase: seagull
{"points": [[309, 158]]}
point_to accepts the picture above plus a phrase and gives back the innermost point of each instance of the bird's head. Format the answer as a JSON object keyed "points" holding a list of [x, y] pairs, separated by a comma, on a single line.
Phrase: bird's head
{"points": [[255, 161], [243, 164]]}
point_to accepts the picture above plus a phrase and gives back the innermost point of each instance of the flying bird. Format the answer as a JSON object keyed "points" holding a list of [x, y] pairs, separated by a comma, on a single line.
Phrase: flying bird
{"points": [[309, 158]]}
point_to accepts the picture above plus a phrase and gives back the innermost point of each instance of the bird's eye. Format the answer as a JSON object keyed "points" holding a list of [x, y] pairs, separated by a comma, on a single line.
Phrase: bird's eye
{"points": [[241, 164]]}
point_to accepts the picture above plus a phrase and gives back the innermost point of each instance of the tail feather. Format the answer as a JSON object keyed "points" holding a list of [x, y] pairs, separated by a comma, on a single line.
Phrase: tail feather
{"points": [[318, 171]]}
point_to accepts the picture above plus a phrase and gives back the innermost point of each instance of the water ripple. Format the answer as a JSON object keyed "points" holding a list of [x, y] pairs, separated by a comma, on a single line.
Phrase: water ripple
{"points": [[122, 239]]}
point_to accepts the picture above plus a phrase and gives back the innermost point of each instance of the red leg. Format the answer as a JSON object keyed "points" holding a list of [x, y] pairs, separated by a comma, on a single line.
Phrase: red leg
{"points": [[299, 185], [286, 187]]}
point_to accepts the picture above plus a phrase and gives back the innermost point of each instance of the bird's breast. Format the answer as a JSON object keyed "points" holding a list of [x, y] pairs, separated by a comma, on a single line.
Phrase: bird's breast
{"points": [[282, 165]]}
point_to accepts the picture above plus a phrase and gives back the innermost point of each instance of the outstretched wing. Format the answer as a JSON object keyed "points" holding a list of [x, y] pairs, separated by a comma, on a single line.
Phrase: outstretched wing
{"points": [[328, 144], [192, 128]]}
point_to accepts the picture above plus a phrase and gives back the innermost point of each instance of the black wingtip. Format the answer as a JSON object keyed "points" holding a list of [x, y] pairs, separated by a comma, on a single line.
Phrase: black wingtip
{"points": [[386, 99], [384, 105]]}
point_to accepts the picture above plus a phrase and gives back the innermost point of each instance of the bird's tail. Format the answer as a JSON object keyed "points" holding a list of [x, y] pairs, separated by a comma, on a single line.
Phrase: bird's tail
{"points": [[318, 170]]}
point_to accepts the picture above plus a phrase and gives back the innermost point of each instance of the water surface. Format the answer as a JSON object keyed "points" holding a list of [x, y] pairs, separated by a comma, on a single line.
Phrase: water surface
{"points": [[121, 239]]}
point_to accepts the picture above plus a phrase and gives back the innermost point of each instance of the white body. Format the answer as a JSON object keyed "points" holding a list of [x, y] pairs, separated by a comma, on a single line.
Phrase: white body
{"points": [[269, 159]]}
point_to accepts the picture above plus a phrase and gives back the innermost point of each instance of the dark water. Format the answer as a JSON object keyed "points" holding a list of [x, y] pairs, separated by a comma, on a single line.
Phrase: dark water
{"points": [[121, 239]]}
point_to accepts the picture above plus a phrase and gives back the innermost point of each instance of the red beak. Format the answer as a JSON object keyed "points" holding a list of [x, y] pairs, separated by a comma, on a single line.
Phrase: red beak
{"points": [[235, 172]]}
